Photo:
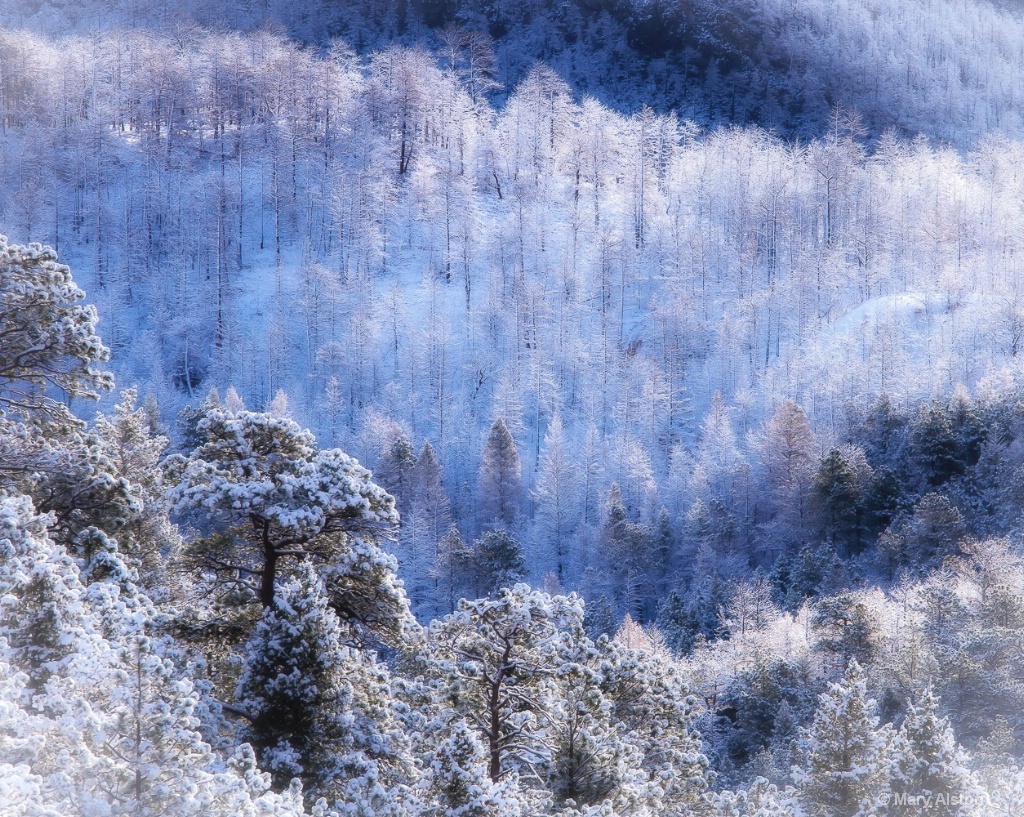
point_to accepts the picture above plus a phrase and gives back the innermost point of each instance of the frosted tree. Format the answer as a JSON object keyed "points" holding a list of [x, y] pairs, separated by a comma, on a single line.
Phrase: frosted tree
{"points": [[49, 336], [452, 570], [501, 492], [624, 554], [846, 763], [40, 593], [928, 763], [456, 783], [114, 728], [313, 708], [429, 500], [556, 495], [750, 607], [275, 499], [789, 454], [497, 561], [656, 713], [426, 521], [718, 453], [134, 452], [592, 759], [493, 660], [394, 471]]}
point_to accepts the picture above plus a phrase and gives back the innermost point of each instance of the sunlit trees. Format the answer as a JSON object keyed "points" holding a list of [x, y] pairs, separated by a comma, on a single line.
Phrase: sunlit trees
{"points": [[495, 660]]}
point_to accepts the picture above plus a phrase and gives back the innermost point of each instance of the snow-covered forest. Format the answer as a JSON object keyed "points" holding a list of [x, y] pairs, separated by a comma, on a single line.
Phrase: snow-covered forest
{"points": [[511, 410]]}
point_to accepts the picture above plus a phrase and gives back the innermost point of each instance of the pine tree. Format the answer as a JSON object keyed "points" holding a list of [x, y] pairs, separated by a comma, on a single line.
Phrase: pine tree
{"points": [[498, 562], [656, 712], [314, 708], [41, 608], [846, 762], [275, 498], [845, 628], [134, 451], [492, 661], [49, 337], [592, 759], [928, 763], [838, 496], [114, 729], [456, 783]]}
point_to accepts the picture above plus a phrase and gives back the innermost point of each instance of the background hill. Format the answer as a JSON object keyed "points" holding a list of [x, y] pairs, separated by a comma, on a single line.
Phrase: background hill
{"points": [[949, 69]]}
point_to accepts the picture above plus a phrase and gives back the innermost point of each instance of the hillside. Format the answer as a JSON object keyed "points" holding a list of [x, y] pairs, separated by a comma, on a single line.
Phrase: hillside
{"points": [[950, 71], [578, 409]]}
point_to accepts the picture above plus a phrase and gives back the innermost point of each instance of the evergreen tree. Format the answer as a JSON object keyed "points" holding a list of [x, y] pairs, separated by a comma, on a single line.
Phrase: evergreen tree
{"points": [[492, 661], [275, 498], [838, 498], [394, 472], [928, 764], [625, 559], [314, 708], [845, 628], [500, 488], [934, 532], [40, 593], [497, 561], [134, 451], [846, 756], [456, 783], [592, 759], [935, 447], [49, 337], [656, 712]]}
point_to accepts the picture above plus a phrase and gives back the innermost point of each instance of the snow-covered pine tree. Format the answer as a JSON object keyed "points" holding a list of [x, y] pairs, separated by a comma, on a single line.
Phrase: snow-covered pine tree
{"points": [[316, 709], [49, 337], [592, 760], [846, 755], [928, 763], [655, 711], [497, 562], [456, 782], [274, 499], [492, 661], [134, 452], [103, 721], [40, 593]]}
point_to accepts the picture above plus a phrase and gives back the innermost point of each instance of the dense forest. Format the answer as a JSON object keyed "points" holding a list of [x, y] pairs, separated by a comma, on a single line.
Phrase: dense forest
{"points": [[511, 409]]}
